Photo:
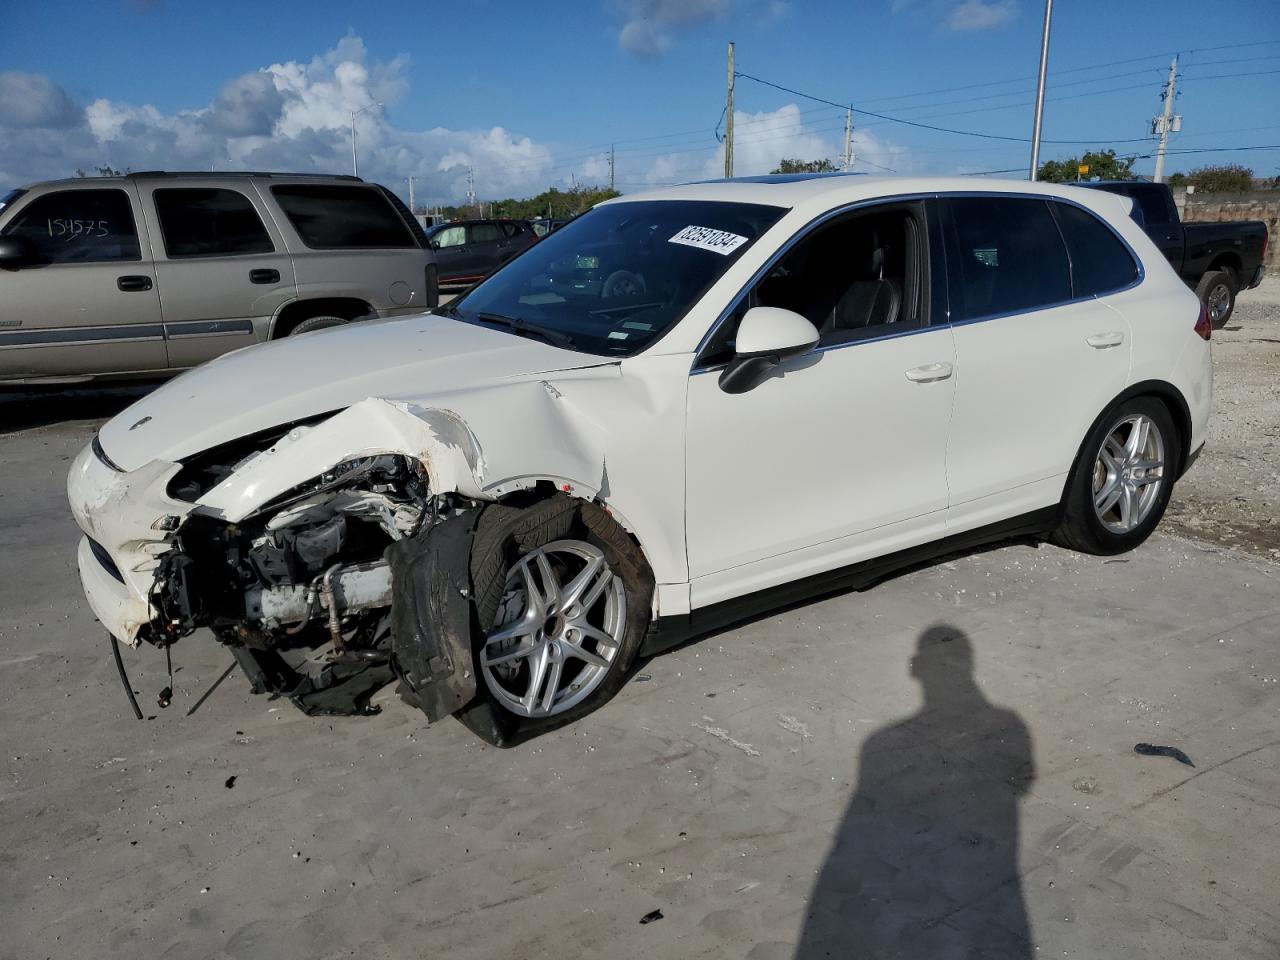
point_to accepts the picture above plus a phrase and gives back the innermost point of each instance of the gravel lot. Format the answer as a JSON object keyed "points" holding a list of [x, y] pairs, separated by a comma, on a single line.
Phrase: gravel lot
{"points": [[942, 760], [1232, 495]]}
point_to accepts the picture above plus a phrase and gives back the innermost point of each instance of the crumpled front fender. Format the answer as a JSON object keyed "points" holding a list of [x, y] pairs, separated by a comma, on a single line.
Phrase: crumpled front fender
{"points": [[438, 439], [539, 436]]}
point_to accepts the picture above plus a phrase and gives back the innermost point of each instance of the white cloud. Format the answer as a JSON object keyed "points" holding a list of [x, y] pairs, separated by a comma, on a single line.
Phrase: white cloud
{"points": [[649, 24], [763, 139], [33, 100], [287, 116], [974, 15], [962, 16]]}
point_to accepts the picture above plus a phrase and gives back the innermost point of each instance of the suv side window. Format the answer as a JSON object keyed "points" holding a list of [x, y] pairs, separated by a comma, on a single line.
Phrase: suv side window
{"points": [[1006, 256], [209, 222], [512, 229], [485, 233], [332, 217], [859, 277], [450, 237], [79, 226], [1100, 262]]}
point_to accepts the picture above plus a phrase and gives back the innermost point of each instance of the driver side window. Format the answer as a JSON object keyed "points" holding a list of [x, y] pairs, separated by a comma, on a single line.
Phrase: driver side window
{"points": [[857, 277]]}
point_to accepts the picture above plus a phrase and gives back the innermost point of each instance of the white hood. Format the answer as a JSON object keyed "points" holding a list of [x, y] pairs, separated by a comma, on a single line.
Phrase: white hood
{"points": [[259, 387]]}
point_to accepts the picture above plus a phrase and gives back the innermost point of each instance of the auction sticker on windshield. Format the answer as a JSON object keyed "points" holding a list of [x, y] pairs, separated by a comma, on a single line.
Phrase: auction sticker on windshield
{"points": [[705, 238]]}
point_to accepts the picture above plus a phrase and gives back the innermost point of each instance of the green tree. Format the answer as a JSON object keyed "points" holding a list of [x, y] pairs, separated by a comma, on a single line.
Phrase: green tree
{"points": [[805, 166], [554, 203], [1102, 164], [1222, 178], [103, 171]]}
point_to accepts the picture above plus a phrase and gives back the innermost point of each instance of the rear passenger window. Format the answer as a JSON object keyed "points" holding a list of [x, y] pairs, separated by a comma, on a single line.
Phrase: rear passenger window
{"points": [[1007, 256], [331, 217], [209, 222], [79, 226], [1100, 263], [485, 233], [511, 229]]}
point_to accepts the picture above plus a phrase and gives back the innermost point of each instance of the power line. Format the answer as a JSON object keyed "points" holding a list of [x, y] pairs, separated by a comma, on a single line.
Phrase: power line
{"points": [[916, 123], [564, 161]]}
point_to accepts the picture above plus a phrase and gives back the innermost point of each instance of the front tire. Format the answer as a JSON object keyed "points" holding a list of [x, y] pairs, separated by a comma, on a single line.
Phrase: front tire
{"points": [[562, 598], [1217, 291], [1122, 479]]}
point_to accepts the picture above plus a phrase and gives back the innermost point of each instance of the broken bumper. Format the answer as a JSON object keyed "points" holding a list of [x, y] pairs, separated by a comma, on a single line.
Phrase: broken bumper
{"points": [[128, 520]]}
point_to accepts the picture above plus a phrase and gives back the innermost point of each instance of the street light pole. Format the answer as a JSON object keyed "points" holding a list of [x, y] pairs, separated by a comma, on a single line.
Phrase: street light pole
{"points": [[1044, 65], [355, 168]]}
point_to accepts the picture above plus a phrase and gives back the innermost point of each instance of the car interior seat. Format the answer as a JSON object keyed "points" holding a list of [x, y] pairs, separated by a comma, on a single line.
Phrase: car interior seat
{"points": [[874, 298]]}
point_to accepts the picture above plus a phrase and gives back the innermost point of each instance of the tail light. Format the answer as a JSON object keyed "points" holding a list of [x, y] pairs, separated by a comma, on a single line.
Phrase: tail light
{"points": [[1203, 325]]}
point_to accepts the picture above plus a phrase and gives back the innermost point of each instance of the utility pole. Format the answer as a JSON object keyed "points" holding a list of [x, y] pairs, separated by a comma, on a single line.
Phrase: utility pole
{"points": [[1168, 122], [1044, 66], [355, 169], [471, 186], [411, 209], [728, 121], [611, 168], [847, 159]]}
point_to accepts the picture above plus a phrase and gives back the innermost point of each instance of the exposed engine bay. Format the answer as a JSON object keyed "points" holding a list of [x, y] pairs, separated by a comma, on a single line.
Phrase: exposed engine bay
{"points": [[299, 589]]}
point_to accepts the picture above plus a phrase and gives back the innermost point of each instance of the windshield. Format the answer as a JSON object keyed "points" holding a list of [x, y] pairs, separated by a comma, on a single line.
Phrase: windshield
{"points": [[9, 197], [617, 278]]}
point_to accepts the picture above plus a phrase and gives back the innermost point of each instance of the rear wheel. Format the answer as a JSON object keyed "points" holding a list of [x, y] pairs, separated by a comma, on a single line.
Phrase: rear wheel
{"points": [[1122, 479], [562, 598], [1217, 291], [317, 323]]}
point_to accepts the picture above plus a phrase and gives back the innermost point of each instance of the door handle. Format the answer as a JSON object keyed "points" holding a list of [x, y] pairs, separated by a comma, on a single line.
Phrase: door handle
{"points": [[264, 276], [133, 284], [929, 373], [1100, 341]]}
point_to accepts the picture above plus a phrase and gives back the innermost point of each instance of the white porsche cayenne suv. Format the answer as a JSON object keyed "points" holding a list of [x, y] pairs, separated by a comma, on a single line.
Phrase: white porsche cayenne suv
{"points": [[680, 409]]}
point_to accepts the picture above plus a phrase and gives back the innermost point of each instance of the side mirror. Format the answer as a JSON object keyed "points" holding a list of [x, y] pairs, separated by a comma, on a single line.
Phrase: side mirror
{"points": [[766, 337], [16, 252], [435, 244]]}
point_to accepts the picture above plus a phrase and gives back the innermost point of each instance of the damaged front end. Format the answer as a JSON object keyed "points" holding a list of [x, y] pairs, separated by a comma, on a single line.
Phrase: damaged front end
{"points": [[280, 547]]}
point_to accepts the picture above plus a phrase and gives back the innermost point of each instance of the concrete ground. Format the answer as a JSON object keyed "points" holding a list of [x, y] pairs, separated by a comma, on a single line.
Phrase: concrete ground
{"points": [[941, 766]]}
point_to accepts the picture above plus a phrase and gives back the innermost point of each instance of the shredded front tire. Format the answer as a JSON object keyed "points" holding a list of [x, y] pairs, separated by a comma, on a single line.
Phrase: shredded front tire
{"points": [[562, 599]]}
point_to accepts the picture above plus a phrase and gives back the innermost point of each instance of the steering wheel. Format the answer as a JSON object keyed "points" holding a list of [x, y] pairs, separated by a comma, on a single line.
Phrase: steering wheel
{"points": [[622, 283]]}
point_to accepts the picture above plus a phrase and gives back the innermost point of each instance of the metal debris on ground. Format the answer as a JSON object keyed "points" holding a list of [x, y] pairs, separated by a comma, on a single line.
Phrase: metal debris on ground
{"points": [[643, 678], [231, 782], [651, 916], [1152, 750], [165, 698]]}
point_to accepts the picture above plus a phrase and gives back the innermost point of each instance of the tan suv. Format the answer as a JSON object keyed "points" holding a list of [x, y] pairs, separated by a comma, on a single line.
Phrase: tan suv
{"points": [[154, 272]]}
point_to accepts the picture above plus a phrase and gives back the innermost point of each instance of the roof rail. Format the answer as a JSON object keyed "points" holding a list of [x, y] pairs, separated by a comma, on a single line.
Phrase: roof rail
{"points": [[242, 173]]}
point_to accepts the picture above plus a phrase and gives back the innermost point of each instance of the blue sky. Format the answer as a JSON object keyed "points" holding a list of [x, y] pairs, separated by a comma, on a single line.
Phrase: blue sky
{"points": [[533, 94]]}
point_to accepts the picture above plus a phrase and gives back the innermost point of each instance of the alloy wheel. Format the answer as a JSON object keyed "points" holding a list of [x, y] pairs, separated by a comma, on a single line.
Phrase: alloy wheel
{"points": [[1128, 473], [558, 629], [1219, 301]]}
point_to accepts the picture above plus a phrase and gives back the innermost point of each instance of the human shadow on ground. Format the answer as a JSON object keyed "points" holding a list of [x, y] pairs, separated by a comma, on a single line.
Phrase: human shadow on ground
{"points": [[924, 863]]}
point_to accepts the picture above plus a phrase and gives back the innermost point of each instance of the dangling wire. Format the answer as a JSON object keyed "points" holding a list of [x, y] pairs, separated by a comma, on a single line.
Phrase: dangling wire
{"points": [[166, 695], [124, 677], [719, 137]]}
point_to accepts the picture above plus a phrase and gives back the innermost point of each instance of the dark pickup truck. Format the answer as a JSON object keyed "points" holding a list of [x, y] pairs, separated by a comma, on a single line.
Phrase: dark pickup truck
{"points": [[1215, 259]]}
